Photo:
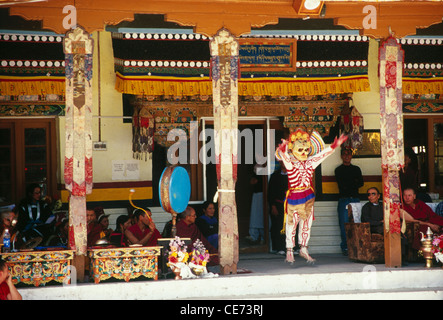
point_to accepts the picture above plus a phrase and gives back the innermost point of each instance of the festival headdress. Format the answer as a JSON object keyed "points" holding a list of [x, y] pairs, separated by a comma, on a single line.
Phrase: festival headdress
{"points": [[300, 144], [298, 135], [317, 143], [314, 139]]}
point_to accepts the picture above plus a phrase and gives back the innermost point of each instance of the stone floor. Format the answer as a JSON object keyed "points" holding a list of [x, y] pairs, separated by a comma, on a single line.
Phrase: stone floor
{"points": [[268, 276]]}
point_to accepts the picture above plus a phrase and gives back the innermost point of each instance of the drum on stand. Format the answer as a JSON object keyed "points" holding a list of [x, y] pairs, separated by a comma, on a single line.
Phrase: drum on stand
{"points": [[174, 191]]}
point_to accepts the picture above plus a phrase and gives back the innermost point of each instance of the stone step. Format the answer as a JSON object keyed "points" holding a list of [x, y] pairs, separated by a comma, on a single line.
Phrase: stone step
{"points": [[326, 240], [318, 231], [325, 233], [324, 249], [407, 284], [325, 221]]}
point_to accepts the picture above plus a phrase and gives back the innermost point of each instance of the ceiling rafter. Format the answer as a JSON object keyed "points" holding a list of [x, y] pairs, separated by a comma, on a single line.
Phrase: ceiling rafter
{"points": [[400, 18]]}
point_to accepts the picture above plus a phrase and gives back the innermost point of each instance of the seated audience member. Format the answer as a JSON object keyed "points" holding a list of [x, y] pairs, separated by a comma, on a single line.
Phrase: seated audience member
{"points": [[167, 229], [208, 223], [143, 231], [33, 215], [8, 220], [103, 219], [418, 211], [423, 196], [439, 209], [186, 228], [372, 211], [60, 238], [7, 289], [94, 229], [118, 237]]}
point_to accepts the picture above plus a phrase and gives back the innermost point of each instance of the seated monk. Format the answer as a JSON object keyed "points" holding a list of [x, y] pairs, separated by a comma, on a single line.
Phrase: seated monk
{"points": [[417, 211], [94, 229], [143, 231], [186, 228]]}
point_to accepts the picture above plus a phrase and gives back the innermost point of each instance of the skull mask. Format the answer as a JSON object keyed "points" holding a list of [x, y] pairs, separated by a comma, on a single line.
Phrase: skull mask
{"points": [[300, 144]]}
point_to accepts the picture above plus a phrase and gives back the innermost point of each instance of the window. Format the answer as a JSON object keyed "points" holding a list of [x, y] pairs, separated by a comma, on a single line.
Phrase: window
{"points": [[27, 155]]}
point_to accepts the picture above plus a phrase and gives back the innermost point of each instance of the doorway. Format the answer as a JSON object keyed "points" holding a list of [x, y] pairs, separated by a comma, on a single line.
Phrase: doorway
{"points": [[415, 137], [253, 145], [424, 134]]}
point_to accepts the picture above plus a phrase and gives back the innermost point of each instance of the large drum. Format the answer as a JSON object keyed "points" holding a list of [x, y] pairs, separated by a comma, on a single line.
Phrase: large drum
{"points": [[174, 189]]}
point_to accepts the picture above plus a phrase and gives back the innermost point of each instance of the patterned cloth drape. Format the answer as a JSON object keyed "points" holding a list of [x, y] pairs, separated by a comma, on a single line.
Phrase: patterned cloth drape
{"points": [[142, 133], [78, 48], [391, 129], [351, 124], [224, 62]]}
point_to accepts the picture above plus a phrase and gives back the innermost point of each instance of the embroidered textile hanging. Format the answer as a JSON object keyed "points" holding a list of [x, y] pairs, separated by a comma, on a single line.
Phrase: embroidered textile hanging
{"points": [[351, 124], [391, 129], [78, 48], [224, 63], [142, 133], [185, 72], [160, 119], [316, 113]]}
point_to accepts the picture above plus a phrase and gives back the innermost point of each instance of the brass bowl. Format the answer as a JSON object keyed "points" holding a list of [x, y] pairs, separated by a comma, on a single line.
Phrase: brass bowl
{"points": [[102, 242], [197, 271]]}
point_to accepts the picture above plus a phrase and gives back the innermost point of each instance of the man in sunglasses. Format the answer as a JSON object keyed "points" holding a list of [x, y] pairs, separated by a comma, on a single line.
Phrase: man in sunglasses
{"points": [[372, 211]]}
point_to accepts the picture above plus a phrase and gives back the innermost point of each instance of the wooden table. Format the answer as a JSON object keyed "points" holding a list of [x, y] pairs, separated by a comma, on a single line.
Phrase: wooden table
{"points": [[124, 263], [39, 267]]}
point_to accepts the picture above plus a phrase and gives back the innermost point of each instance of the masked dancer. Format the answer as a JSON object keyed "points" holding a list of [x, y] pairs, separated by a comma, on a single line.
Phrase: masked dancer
{"points": [[301, 154]]}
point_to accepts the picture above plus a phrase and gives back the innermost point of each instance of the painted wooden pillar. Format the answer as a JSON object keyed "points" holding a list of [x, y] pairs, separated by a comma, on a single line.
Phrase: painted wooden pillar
{"points": [[392, 145], [224, 50], [78, 49]]}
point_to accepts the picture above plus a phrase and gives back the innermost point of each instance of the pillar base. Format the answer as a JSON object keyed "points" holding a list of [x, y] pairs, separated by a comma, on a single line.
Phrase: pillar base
{"points": [[79, 262], [392, 250], [232, 269]]}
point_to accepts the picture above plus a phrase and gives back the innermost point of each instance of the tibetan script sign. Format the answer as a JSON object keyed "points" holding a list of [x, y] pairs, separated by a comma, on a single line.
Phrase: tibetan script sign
{"points": [[256, 55]]}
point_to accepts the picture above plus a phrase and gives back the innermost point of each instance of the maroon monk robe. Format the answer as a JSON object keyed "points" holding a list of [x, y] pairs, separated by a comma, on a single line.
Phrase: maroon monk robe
{"points": [[191, 231], [135, 229], [94, 232], [424, 213]]}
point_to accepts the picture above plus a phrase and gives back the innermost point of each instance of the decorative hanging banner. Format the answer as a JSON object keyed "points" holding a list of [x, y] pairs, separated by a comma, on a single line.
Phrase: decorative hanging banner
{"points": [[78, 48], [290, 66], [351, 124], [225, 67], [142, 133], [391, 129]]}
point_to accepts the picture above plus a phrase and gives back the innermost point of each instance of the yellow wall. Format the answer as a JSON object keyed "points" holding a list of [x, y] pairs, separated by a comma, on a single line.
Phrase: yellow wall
{"points": [[368, 104], [113, 194], [117, 134]]}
